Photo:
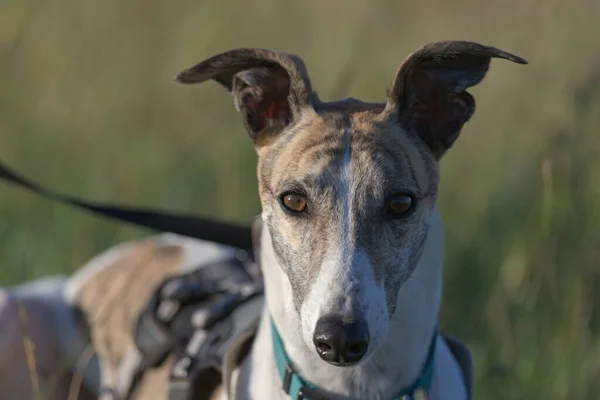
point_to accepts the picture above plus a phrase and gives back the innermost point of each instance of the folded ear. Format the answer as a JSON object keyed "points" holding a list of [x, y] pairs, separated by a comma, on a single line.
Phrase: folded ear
{"points": [[429, 91], [269, 88]]}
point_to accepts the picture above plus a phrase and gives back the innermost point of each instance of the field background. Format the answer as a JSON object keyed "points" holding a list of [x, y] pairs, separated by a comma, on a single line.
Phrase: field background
{"points": [[89, 107]]}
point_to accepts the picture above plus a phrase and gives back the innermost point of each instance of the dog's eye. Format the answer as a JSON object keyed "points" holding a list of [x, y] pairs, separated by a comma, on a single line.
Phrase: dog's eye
{"points": [[294, 202], [400, 204]]}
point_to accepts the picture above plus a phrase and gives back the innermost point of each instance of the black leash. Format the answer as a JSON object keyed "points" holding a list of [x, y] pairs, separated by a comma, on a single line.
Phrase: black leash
{"points": [[188, 225]]}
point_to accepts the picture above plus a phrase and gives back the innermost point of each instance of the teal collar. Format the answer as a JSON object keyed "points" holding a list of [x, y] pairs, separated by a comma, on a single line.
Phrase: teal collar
{"points": [[299, 389]]}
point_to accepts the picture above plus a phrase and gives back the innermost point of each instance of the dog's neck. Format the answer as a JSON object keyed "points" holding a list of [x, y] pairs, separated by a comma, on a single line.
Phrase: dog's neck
{"points": [[398, 362]]}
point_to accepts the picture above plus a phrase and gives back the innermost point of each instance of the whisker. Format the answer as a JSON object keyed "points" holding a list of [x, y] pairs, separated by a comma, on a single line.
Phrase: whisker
{"points": [[290, 309], [416, 303], [397, 323], [440, 223], [377, 365], [354, 373], [416, 279], [393, 346], [298, 330]]}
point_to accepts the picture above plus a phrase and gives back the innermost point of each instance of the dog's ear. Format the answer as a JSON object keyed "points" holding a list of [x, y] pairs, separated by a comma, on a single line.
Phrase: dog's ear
{"points": [[429, 94], [269, 88]]}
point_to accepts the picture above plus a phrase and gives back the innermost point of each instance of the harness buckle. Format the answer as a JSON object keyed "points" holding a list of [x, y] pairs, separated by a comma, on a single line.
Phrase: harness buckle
{"points": [[306, 393], [178, 389], [287, 379]]}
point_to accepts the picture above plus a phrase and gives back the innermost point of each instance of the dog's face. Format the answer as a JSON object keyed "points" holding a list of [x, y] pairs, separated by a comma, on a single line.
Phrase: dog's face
{"points": [[348, 188]]}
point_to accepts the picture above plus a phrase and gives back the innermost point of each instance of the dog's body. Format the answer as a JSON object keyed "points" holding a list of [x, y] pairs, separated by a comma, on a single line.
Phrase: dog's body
{"points": [[351, 247]]}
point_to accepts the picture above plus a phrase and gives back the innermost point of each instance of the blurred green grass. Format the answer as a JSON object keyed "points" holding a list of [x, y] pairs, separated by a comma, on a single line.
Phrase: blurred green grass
{"points": [[89, 107]]}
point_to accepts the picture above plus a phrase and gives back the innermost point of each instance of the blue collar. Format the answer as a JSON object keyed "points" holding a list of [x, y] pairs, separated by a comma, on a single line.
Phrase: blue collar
{"points": [[299, 389]]}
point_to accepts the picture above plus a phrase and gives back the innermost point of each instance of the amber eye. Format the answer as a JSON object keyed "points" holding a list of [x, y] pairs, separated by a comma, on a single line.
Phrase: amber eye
{"points": [[400, 204], [294, 202]]}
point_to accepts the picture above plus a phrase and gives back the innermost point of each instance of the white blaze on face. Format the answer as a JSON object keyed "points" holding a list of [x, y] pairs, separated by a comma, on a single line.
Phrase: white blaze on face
{"points": [[350, 291], [346, 284]]}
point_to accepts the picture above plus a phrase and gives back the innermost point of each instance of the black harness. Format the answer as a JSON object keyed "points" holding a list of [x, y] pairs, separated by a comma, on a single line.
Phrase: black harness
{"points": [[195, 316]]}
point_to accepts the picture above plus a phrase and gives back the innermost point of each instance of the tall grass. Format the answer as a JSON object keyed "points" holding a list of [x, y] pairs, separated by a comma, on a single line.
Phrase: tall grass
{"points": [[88, 106]]}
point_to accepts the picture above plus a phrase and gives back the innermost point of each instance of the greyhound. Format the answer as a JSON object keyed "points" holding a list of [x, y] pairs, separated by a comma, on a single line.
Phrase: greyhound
{"points": [[351, 242], [352, 248]]}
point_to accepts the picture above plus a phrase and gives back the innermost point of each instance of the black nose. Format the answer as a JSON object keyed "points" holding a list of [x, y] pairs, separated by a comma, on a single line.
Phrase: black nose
{"points": [[341, 343]]}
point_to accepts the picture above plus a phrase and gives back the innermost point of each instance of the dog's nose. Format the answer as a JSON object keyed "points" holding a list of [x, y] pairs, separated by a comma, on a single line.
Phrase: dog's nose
{"points": [[341, 343]]}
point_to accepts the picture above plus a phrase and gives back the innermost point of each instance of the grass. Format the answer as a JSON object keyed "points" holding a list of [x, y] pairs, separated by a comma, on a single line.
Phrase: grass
{"points": [[29, 352], [88, 106]]}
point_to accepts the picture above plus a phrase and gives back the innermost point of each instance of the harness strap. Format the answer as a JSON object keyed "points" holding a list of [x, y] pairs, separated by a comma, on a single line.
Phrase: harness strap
{"points": [[235, 354], [221, 351], [463, 357], [184, 224]]}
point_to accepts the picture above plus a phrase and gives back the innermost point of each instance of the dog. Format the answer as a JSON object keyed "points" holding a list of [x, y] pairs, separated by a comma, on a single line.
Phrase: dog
{"points": [[351, 242]]}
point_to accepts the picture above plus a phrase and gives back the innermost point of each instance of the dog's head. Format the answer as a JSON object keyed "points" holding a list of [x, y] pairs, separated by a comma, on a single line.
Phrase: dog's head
{"points": [[348, 188]]}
